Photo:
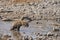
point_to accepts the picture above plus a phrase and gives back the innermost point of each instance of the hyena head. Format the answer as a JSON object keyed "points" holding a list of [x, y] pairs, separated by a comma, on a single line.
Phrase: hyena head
{"points": [[24, 23]]}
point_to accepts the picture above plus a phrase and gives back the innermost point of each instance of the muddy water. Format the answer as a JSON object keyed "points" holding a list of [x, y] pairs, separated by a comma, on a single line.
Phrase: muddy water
{"points": [[32, 30]]}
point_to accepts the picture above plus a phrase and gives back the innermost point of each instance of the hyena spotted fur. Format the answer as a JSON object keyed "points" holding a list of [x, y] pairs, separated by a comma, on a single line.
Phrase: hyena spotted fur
{"points": [[17, 24]]}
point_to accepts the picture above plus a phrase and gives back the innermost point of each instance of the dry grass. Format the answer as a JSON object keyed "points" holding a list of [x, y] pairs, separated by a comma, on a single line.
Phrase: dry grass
{"points": [[26, 0], [23, 1]]}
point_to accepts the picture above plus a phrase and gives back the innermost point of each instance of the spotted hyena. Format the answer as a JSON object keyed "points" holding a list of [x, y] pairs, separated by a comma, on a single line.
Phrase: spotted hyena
{"points": [[18, 23]]}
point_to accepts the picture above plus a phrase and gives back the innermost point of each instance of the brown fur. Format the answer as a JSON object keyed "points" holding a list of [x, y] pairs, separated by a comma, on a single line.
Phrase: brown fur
{"points": [[17, 24]]}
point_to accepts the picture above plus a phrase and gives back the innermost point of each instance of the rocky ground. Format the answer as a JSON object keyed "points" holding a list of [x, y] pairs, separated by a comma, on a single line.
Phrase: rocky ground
{"points": [[45, 16]]}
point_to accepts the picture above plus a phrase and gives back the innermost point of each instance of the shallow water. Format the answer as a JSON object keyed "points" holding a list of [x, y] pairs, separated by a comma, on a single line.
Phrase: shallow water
{"points": [[31, 30]]}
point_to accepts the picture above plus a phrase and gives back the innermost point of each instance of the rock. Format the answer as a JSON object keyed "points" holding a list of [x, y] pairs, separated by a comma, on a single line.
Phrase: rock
{"points": [[5, 11], [5, 37], [39, 34], [0, 17], [43, 7], [50, 34], [38, 38], [58, 20], [37, 22], [55, 35], [6, 19], [56, 29], [30, 38], [26, 38], [45, 34]]}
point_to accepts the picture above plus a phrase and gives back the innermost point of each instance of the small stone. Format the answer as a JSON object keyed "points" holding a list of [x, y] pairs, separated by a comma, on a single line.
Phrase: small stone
{"points": [[30, 38], [26, 38], [37, 22], [55, 35], [55, 2], [30, 4], [50, 34], [39, 34], [0, 17], [38, 38], [56, 29], [58, 20], [6, 19], [45, 34], [10, 39], [43, 7]]}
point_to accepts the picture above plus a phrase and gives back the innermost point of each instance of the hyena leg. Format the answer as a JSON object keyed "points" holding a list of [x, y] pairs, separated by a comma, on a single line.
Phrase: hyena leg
{"points": [[18, 28]]}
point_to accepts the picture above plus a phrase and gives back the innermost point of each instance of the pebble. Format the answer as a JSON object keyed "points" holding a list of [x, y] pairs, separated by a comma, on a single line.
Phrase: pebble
{"points": [[50, 34], [0, 17], [56, 29]]}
